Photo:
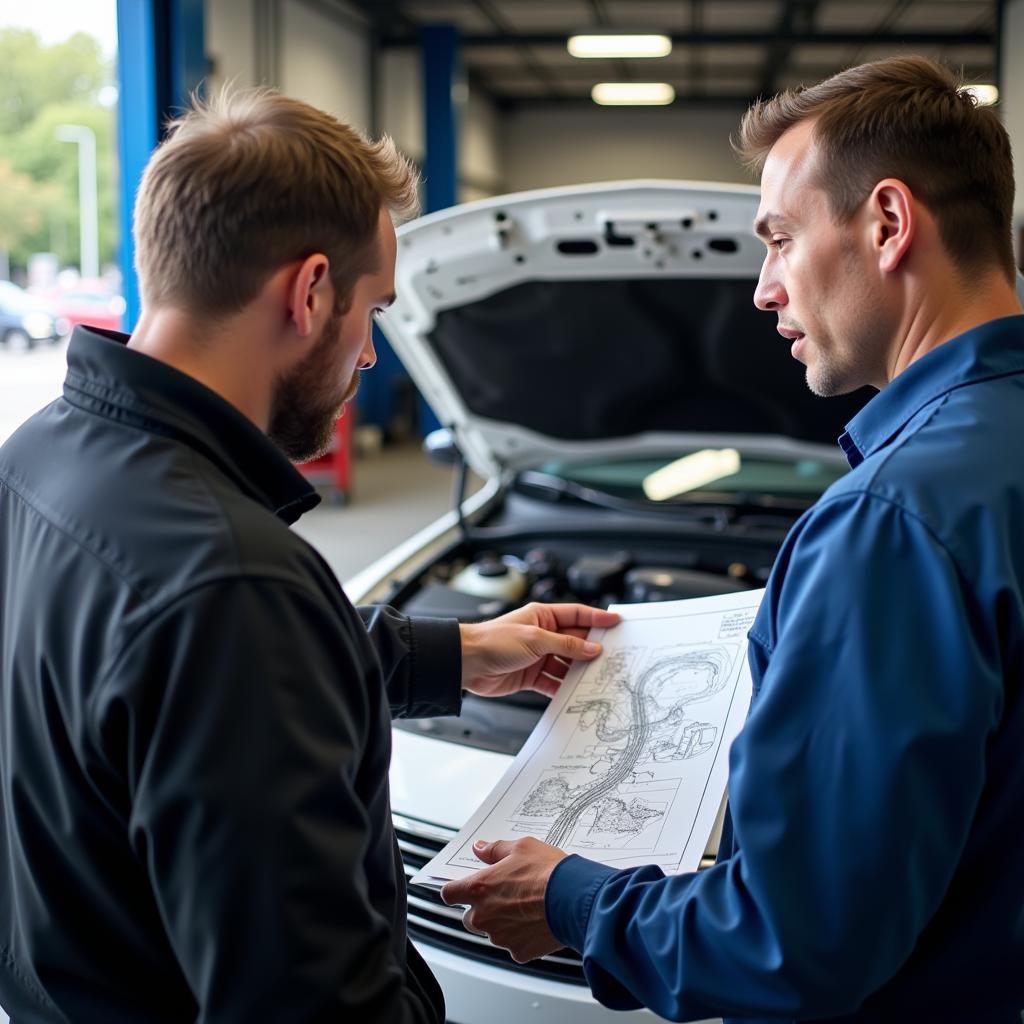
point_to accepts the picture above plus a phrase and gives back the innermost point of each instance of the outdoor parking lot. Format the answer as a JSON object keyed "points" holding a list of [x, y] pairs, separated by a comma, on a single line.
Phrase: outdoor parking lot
{"points": [[28, 380]]}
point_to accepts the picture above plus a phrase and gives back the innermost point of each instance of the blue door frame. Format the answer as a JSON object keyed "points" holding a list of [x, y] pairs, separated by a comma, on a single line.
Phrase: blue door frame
{"points": [[160, 61], [443, 83]]}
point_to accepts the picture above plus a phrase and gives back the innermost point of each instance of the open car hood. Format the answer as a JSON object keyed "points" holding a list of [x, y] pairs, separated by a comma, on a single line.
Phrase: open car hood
{"points": [[601, 321]]}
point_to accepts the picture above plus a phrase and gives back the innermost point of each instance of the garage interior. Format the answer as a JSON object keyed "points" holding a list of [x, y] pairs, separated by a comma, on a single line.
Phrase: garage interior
{"points": [[524, 118], [486, 99]]}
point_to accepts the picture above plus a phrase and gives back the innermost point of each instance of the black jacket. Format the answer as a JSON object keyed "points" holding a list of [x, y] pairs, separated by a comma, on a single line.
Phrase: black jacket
{"points": [[194, 727]]}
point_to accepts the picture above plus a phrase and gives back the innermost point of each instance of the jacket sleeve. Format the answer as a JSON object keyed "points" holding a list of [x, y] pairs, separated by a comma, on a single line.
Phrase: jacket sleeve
{"points": [[244, 715], [421, 659], [852, 790]]}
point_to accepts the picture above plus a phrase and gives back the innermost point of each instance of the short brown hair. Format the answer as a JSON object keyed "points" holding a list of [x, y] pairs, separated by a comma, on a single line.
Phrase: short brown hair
{"points": [[250, 180], [906, 118]]}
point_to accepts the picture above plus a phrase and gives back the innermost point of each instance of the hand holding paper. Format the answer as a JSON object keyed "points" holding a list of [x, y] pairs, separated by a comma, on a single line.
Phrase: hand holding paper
{"points": [[506, 901], [530, 648], [628, 765]]}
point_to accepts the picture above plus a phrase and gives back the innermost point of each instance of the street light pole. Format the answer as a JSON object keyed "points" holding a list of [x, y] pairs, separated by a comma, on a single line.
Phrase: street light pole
{"points": [[88, 217]]}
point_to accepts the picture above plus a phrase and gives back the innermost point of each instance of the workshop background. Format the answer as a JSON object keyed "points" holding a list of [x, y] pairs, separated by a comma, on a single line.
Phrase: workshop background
{"points": [[484, 95]]}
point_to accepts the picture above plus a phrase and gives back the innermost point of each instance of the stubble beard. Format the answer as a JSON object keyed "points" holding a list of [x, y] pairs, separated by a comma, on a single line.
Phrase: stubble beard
{"points": [[864, 337], [843, 372], [306, 404], [828, 377], [823, 380]]}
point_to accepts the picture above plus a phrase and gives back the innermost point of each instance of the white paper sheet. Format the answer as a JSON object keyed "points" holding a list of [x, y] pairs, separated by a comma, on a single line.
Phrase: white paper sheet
{"points": [[629, 763]]}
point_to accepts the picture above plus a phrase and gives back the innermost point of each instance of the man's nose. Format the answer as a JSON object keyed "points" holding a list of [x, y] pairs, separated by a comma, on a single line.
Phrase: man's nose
{"points": [[769, 293], [368, 356]]}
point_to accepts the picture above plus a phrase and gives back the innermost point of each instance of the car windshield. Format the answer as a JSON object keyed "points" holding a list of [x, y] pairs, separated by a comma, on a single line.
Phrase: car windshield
{"points": [[758, 478]]}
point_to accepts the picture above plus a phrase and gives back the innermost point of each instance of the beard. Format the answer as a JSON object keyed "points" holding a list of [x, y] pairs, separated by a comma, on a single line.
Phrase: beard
{"points": [[306, 403]]}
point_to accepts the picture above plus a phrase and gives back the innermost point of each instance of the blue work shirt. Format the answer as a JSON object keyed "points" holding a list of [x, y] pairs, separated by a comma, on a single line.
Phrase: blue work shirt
{"points": [[875, 869]]}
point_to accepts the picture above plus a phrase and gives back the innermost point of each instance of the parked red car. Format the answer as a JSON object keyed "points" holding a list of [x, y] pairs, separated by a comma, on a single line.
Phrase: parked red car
{"points": [[94, 308]]}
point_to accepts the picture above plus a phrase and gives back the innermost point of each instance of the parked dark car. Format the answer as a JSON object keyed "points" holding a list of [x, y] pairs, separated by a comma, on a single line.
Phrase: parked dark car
{"points": [[26, 321]]}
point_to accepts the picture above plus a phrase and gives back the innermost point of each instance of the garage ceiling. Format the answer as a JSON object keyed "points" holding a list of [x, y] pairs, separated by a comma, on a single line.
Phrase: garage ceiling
{"points": [[724, 51]]}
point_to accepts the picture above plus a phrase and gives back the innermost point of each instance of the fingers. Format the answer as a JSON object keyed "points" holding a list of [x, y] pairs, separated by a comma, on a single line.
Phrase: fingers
{"points": [[546, 684], [551, 675], [567, 615], [564, 627], [491, 853], [468, 922], [556, 667], [544, 641], [461, 891], [456, 893]]}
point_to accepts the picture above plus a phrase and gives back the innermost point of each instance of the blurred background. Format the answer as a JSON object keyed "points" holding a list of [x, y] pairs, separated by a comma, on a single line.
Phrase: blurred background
{"points": [[486, 96]]}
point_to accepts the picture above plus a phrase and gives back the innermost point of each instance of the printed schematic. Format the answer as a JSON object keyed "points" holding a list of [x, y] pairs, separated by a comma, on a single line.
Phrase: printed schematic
{"points": [[629, 763], [631, 720]]}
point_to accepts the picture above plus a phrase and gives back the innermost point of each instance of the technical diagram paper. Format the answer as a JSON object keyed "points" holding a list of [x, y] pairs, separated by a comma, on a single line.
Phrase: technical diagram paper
{"points": [[629, 763]]}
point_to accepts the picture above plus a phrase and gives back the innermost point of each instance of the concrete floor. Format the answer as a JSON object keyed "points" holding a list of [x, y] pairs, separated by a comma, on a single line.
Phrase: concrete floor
{"points": [[28, 380], [394, 494]]}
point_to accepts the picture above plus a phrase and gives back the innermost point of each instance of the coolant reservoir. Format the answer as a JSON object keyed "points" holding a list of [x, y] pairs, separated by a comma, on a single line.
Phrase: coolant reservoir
{"points": [[492, 577]]}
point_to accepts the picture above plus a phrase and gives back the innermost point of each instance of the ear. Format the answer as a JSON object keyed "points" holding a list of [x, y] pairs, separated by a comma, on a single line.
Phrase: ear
{"points": [[310, 295], [893, 222]]}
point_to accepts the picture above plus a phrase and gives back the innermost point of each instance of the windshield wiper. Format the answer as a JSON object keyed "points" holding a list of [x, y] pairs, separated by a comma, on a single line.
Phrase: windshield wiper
{"points": [[553, 486]]}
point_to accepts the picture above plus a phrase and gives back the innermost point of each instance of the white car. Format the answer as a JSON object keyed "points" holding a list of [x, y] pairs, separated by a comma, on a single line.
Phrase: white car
{"points": [[572, 341]]}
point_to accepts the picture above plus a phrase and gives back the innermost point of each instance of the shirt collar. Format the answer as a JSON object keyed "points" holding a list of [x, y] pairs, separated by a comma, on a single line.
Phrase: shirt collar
{"points": [[110, 379], [992, 349]]}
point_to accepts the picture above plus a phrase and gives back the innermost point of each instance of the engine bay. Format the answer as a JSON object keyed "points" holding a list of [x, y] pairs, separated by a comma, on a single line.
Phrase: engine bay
{"points": [[491, 583], [474, 581]]}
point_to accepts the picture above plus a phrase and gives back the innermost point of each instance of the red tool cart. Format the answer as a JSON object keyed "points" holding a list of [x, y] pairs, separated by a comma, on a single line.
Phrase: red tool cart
{"points": [[334, 470]]}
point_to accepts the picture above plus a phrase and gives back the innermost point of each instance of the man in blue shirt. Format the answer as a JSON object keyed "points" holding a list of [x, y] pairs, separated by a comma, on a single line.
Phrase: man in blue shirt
{"points": [[872, 868]]}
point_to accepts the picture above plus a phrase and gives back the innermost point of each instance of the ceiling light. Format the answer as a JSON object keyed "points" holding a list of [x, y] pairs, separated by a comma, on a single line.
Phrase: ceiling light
{"points": [[691, 472], [620, 46], [611, 94], [986, 95]]}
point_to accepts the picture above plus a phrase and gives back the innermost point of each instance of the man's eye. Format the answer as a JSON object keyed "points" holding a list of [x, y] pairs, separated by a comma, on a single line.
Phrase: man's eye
{"points": [[778, 243]]}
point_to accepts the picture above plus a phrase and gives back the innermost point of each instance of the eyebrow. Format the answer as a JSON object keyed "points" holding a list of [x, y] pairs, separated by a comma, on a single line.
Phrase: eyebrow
{"points": [[763, 225]]}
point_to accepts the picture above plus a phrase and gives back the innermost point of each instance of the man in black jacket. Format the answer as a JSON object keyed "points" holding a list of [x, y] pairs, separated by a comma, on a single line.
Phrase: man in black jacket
{"points": [[195, 723]]}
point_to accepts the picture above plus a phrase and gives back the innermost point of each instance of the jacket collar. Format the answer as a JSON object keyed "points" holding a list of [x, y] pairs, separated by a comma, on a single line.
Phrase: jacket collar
{"points": [[109, 379], [992, 349]]}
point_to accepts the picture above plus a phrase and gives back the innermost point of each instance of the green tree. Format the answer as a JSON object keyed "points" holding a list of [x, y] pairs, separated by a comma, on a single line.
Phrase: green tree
{"points": [[36, 152], [42, 87], [24, 208], [33, 75]]}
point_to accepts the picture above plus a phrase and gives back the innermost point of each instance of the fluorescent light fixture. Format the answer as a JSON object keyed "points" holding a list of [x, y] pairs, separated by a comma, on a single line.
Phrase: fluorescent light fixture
{"points": [[986, 95], [691, 472], [620, 46], [633, 94]]}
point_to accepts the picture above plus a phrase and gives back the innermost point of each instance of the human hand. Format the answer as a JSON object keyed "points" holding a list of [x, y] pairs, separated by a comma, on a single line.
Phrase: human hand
{"points": [[506, 900], [528, 649]]}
